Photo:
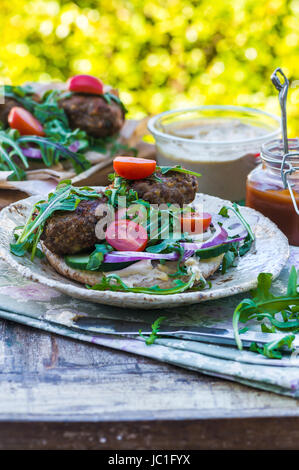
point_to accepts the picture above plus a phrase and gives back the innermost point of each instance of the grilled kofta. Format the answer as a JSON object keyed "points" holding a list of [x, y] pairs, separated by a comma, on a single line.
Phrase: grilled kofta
{"points": [[72, 232], [93, 114], [172, 187]]}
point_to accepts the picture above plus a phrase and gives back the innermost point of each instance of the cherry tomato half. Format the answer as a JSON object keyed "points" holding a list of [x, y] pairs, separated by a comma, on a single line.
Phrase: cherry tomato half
{"points": [[193, 222], [20, 119], [85, 84], [133, 168], [126, 235]]}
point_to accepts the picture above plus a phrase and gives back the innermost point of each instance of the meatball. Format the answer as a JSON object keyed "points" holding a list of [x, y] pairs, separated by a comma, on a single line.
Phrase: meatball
{"points": [[69, 232], [93, 114], [5, 109], [172, 187]]}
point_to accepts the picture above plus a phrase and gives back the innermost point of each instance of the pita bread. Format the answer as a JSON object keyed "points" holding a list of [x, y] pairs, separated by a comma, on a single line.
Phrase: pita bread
{"points": [[140, 274]]}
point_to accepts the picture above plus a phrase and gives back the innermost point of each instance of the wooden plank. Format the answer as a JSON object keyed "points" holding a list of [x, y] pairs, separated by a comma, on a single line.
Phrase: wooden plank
{"points": [[231, 434], [45, 377]]}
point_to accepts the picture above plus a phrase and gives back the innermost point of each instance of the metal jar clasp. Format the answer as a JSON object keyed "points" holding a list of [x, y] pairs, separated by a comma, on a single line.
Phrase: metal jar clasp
{"points": [[287, 169]]}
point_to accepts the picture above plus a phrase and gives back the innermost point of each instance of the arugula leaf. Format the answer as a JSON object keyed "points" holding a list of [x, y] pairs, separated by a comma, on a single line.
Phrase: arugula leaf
{"points": [[165, 245], [120, 189], [19, 249], [266, 306], [224, 211], [266, 329], [178, 168], [48, 109], [236, 249], [246, 245], [8, 163], [230, 257], [237, 212], [227, 261], [262, 292], [155, 331], [97, 256], [110, 145], [111, 177], [10, 138], [111, 97], [120, 286], [271, 349], [292, 283]]}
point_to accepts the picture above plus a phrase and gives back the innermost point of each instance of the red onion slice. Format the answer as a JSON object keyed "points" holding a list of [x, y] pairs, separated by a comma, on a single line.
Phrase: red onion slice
{"points": [[123, 256], [32, 152], [188, 254], [74, 147], [219, 237]]}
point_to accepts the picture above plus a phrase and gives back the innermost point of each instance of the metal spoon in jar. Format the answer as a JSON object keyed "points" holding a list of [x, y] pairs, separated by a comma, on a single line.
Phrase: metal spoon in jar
{"points": [[283, 88], [286, 169]]}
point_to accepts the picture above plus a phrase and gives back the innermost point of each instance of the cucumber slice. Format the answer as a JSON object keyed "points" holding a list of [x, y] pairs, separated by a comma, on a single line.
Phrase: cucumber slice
{"points": [[81, 262], [212, 252], [77, 261]]}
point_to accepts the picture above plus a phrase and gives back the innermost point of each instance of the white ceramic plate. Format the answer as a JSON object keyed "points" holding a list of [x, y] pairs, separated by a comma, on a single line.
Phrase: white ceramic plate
{"points": [[270, 254]]}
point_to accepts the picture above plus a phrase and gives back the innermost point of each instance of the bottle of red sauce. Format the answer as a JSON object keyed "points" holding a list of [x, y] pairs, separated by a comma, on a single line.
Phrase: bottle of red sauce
{"points": [[268, 193]]}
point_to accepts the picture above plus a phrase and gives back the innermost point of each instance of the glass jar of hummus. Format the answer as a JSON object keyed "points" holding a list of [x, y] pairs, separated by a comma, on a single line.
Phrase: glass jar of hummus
{"points": [[222, 143]]}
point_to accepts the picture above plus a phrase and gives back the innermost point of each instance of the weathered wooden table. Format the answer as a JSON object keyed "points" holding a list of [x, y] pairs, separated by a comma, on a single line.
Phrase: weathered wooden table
{"points": [[56, 393]]}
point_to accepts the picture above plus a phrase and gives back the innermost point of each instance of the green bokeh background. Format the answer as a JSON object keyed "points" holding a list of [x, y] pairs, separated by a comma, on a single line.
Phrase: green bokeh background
{"points": [[160, 54]]}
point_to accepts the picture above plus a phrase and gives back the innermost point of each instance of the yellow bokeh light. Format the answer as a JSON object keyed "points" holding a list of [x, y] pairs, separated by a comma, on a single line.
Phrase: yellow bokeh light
{"points": [[160, 55]]}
